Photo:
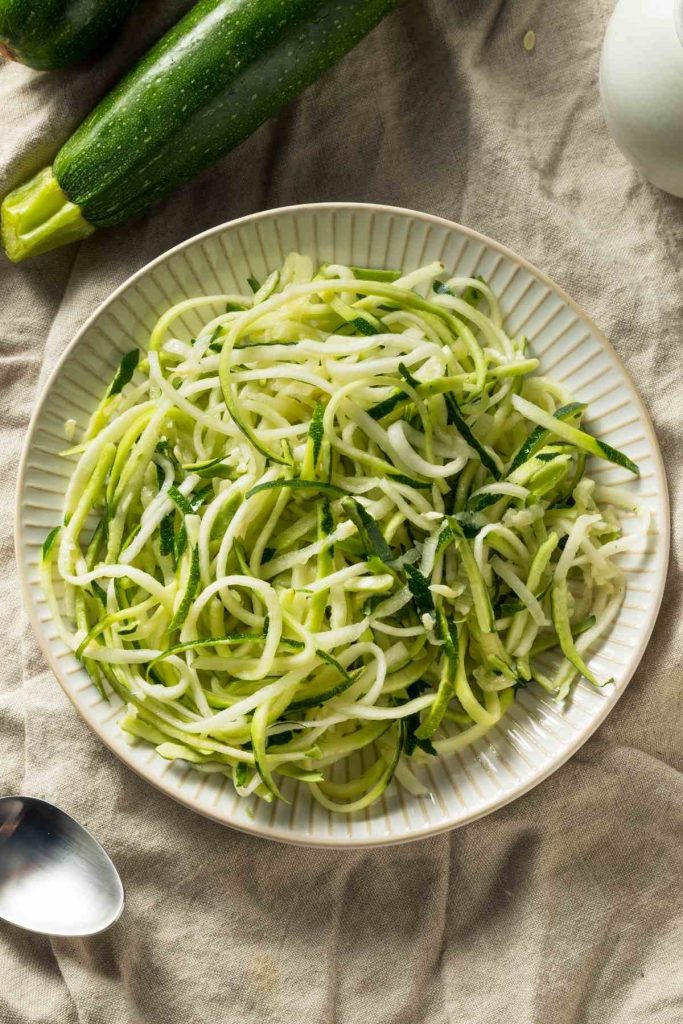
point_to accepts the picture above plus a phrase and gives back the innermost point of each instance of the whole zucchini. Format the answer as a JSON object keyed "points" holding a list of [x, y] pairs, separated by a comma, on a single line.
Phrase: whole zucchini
{"points": [[53, 33], [219, 73]]}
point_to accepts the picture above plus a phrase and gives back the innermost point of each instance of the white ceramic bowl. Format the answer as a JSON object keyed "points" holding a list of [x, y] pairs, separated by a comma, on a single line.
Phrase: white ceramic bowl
{"points": [[641, 86], [536, 736]]}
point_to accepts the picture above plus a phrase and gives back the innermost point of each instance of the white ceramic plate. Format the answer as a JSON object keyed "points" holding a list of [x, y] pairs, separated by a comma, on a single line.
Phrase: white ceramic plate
{"points": [[536, 736]]}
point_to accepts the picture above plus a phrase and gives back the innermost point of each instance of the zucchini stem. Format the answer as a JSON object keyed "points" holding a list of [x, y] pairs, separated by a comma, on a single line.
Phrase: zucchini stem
{"points": [[38, 216]]}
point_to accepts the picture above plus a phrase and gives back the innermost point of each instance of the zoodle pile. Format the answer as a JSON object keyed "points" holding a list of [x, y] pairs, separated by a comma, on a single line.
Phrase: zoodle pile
{"points": [[343, 518]]}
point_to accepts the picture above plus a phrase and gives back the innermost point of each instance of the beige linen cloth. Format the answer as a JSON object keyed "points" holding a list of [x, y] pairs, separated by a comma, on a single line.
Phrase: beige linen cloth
{"points": [[564, 907]]}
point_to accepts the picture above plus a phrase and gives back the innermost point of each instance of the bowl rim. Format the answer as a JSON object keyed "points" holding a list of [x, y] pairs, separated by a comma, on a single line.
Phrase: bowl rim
{"points": [[267, 831]]}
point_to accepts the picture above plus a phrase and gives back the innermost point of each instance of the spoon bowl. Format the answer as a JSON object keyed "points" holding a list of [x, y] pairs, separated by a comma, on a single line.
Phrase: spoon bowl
{"points": [[55, 878]]}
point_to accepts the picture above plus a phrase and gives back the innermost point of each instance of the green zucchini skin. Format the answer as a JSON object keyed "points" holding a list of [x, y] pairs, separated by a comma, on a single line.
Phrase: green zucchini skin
{"points": [[219, 73], [47, 34]]}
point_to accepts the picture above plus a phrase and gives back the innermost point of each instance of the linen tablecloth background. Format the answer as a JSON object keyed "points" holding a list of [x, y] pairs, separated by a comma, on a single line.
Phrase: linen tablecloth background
{"points": [[563, 908]]}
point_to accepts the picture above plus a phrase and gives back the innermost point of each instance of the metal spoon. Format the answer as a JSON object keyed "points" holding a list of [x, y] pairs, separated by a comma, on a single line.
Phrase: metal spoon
{"points": [[55, 878]]}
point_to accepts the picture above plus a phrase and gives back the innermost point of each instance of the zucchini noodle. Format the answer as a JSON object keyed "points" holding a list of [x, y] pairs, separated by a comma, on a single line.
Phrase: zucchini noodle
{"points": [[347, 517]]}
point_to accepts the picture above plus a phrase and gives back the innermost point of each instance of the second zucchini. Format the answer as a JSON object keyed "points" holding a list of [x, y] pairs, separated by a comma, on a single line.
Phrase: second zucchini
{"points": [[46, 34]]}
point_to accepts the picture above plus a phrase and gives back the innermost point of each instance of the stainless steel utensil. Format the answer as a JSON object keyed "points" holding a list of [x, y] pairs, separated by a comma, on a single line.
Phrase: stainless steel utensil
{"points": [[55, 878]]}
